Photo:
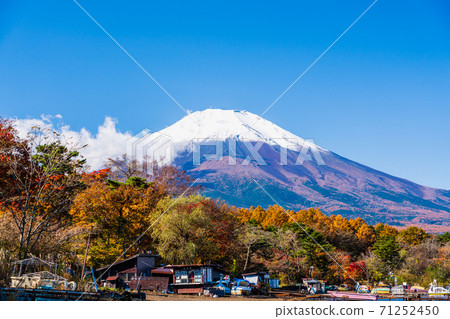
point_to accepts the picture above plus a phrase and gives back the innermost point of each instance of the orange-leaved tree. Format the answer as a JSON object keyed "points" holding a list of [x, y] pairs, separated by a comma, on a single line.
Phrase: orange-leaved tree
{"points": [[119, 215]]}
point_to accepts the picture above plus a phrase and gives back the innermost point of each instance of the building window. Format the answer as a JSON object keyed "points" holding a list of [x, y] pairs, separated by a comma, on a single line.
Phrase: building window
{"points": [[198, 276], [209, 275], [181, 277]]}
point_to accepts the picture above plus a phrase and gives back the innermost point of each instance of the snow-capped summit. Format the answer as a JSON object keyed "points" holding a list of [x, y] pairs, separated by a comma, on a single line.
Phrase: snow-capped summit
{"points": [[222, 125], [216, 147]]}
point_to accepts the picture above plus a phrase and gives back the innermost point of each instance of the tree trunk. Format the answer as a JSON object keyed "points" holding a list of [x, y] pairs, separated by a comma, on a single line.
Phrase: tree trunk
{"points": [[248, 257]]}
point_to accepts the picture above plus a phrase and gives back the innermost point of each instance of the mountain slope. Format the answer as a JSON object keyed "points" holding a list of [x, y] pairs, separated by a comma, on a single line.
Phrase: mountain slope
{"points": [[228, 150]]}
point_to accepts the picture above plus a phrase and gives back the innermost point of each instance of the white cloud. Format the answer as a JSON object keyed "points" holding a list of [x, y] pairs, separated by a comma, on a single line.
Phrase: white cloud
{"points": [[108, 142]]}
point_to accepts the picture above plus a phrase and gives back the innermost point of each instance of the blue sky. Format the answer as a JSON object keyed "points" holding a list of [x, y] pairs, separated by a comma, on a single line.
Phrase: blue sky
{"points": [[380, 96]]}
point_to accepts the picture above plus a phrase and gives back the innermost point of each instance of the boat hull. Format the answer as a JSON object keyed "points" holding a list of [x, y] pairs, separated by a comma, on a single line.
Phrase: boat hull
{"points": [[352, 295], [384, 291]]}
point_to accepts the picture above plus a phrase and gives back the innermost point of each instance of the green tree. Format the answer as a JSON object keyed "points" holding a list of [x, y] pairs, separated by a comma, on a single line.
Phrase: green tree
{"points": [[444, 238], [387, 249], [313, 244], [194, 229], [436, 271], [413, 235]]}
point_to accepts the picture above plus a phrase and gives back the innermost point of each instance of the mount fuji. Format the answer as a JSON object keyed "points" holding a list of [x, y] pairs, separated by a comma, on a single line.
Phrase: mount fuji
{"points": [[229, 150]]}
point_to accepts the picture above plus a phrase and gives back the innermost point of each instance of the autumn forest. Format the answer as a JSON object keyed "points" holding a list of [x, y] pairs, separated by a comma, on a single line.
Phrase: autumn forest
{"points": [[52, 205]]}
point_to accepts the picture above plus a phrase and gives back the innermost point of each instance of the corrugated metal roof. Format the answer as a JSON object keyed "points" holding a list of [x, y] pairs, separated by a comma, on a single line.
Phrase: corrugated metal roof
{"points": [[129, 258], [112, 278], [255, 273], [162, 270], [194, 265]]}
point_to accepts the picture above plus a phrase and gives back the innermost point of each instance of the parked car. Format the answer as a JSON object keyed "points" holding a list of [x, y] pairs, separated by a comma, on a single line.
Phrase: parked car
{"points": [[241, 287]]}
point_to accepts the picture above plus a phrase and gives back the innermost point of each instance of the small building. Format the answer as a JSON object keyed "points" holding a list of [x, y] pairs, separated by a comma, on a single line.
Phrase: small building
{"points": [[121, 273], [261, 277], [314, 286], [191, 279], [112, 282]]}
